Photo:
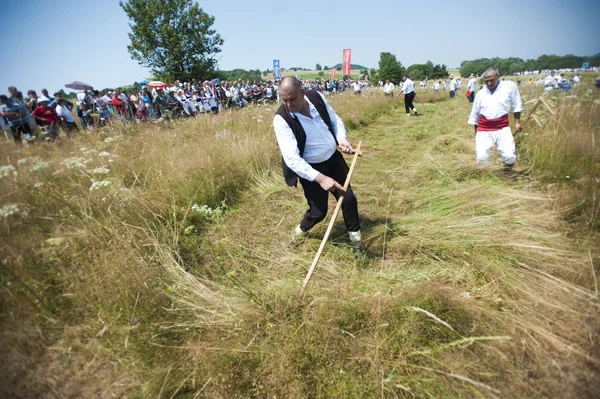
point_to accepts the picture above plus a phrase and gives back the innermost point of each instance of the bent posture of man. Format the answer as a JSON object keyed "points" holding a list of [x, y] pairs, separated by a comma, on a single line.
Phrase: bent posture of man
{"points": [[308, 132], [408, 88], [490, 117]]}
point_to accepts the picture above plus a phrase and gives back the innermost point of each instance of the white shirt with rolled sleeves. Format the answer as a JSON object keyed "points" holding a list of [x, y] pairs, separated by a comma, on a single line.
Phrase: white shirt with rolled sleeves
{"points": [[320, 144], [408, 86]]}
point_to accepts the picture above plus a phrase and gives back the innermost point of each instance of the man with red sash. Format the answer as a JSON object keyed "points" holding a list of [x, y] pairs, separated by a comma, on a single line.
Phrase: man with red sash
{"points": [[489, 115]]}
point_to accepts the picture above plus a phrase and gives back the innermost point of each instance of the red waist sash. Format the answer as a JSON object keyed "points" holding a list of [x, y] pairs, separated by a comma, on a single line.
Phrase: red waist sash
{"points": [[486, 125]]}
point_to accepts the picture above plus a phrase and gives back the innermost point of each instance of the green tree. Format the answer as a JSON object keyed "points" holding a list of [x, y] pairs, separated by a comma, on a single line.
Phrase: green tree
{"points": [[390, 68], [173, 38], [321, 73], [326, 68], [318, 67]]}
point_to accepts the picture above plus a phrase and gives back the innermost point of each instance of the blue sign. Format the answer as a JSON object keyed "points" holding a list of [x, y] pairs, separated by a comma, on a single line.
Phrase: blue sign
{"points": [[276, 74], [586, 65]]}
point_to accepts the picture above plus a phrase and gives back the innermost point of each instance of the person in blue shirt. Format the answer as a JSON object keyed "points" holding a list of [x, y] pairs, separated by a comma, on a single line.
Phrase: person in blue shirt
{"points": [[17, 118]]}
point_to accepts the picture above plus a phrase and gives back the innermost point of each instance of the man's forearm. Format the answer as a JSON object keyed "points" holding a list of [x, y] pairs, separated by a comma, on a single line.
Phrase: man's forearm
{"points": [[517, 116]]}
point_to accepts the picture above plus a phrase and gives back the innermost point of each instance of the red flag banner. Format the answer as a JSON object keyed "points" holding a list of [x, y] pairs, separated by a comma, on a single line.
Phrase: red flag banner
{"points": [[346, 61], [333, 74]]}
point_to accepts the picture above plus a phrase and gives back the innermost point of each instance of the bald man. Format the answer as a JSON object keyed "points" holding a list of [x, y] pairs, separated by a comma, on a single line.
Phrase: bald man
{"points": [[308, 132]]}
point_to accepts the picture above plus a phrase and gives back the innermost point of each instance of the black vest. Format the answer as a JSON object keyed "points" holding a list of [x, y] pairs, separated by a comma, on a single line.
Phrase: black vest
{"points": [[291, 178]]}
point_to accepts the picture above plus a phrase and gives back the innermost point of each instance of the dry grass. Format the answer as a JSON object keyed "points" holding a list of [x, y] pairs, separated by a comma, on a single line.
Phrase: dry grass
{"points": [[475, 285]]}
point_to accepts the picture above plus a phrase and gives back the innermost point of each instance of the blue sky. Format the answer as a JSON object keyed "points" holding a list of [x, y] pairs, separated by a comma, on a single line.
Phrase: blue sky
{"points": [[47, 43]]}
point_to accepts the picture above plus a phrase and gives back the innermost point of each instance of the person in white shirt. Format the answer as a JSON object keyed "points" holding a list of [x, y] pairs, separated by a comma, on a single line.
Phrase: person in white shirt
{"points": [[66, 117], [551, 82], [453, 87], [408, 88], [489, 115], [471, 87], [308, 132], [356, 86], [388, 88], [436, 85]]}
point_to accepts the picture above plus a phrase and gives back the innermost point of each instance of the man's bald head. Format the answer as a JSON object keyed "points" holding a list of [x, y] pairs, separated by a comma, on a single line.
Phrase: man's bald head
{"points": [[290, 84]]}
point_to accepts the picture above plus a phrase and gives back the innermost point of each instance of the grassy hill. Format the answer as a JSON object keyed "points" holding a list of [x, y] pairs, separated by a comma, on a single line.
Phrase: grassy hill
{"points": [[152, 261]]}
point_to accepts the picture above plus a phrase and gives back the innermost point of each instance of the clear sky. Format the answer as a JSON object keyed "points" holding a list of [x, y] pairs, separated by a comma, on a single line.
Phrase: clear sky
{"points": [[47, 43]]}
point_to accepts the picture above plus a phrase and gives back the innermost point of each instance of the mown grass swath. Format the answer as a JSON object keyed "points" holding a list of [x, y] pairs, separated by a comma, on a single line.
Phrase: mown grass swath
{"points": [[150, 261]]}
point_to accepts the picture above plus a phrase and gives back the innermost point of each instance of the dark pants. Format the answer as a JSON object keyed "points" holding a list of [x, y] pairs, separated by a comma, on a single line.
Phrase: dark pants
{"points": [[452, 93], [408, 101], [471, 97], [22, 128], [336, 168]]}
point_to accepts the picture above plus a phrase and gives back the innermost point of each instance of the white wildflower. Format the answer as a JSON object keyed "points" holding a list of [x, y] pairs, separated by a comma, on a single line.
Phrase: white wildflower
{"points": [[7, 170], [98, 184], [74, 163], [38, 185], [39, 166], [101, 171], [597, 101], [55, 241], [27, 160], [88, 151], [109, 139], [11, 209], [465, 294], [104, 154]]}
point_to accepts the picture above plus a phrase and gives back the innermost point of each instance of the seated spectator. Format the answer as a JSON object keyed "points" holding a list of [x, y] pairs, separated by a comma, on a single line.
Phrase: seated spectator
{"points": [[47, 118]]}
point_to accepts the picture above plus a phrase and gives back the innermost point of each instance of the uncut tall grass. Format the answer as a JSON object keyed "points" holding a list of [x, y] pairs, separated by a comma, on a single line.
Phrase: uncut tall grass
{"points": [[473, 288]]}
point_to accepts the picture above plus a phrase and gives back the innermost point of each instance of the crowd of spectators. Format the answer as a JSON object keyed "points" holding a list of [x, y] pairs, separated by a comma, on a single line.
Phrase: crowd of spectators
{"points": [[44, 116]]}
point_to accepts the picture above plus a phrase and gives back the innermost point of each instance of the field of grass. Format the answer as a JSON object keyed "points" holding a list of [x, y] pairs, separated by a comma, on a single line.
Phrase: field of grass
{"points": [[152, 261]]}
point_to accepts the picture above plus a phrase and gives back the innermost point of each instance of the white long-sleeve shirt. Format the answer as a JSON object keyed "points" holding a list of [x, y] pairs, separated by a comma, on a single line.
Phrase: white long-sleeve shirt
{"points": [[492, 106], [408, 86], [472, 85], [388, 88], [320, 144]]}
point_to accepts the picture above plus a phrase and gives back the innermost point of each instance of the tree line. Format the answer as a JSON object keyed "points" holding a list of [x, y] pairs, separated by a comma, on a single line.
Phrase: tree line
{"points": [[511, 65]]}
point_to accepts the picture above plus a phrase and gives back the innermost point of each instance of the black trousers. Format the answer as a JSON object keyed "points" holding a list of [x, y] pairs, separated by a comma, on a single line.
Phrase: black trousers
{"points": [[408, 101], [336, 168]]}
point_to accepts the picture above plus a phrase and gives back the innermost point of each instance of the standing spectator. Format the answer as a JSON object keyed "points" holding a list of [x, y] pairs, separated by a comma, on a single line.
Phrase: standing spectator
{"points": [[453, 87], [146, 99], [66, 117], [471, 87], [30, 119], [550, 82], [356, 86], [32, 103], [102, 107], [15, 114], [48, 96], [119, 105], [388, 88]]}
